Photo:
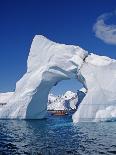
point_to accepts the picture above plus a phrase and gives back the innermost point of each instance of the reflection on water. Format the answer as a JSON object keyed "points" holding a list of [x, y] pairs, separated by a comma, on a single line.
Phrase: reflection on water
{"points": [[57, 135]]}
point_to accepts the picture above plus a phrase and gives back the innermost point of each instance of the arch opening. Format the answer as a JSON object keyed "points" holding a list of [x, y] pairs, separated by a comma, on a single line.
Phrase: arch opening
{"points": [[50, 79], [65, 97]]}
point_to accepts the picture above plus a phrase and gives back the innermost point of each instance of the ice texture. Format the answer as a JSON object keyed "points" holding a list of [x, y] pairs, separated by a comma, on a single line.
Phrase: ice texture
{"points": [[4, 97]]}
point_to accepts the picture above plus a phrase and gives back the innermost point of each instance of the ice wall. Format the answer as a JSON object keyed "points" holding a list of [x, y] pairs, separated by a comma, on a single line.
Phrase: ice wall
{"points": [[100, 102]]}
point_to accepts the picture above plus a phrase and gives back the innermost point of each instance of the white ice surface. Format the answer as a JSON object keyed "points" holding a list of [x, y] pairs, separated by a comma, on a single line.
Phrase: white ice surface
{"points": [[100, 76], [4, 97]]}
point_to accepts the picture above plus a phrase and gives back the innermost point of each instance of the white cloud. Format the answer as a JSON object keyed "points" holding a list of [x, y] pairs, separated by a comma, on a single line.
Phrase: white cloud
{"points": [[106, 33]]}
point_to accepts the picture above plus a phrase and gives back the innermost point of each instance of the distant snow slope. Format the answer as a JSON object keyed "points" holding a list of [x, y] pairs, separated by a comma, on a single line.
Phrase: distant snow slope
{"points": [[49, 63], [68, 101]]}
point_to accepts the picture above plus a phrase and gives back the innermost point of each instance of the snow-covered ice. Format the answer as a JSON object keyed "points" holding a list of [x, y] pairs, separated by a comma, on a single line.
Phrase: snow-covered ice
{"points": [[48, 63]]}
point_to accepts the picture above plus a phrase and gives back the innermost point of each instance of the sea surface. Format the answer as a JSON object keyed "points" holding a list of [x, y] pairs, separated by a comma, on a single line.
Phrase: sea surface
{"points": [[57, 135]]}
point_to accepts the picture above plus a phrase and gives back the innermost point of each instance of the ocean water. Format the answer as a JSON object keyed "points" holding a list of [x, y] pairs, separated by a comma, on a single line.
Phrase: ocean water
{"points": [[57, 136]]}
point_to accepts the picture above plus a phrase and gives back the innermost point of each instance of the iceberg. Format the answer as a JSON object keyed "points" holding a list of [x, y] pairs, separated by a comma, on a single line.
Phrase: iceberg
{"points": [[48, 63]]}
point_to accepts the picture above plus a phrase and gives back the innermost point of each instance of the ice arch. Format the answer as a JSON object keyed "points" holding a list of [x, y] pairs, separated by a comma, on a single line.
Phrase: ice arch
{"points": [[48, 63]]}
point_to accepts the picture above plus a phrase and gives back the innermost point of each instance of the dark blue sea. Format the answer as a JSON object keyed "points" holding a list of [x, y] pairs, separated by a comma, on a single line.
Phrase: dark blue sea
{"points": [[57, 136]]}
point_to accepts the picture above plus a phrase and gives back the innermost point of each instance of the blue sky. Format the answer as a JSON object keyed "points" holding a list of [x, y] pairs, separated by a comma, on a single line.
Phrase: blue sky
{"points": [[64, 21]]}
